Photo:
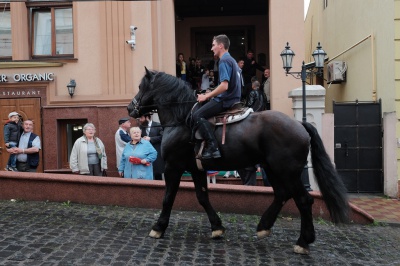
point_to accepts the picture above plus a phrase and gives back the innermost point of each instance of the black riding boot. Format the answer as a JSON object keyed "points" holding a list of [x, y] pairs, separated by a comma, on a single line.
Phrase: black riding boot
{"points": [[211, 150]]}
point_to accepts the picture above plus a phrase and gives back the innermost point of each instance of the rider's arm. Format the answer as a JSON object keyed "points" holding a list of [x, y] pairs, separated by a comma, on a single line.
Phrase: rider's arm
{"points": [[222, 87]]}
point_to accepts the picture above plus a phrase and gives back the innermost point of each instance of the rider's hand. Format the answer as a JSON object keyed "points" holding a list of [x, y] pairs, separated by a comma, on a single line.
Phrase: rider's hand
{"points": [[201, 97]]}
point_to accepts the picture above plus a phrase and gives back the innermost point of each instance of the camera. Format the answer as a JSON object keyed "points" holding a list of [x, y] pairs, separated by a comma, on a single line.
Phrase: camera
{"points": [[131, 42]]}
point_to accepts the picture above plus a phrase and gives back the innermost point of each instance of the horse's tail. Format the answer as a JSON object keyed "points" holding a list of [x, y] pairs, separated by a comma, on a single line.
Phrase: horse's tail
{"points": [[330, 184]]}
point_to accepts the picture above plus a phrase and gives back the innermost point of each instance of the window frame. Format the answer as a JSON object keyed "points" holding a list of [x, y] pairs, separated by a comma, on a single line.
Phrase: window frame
{"points": [[6, 7], [48, 6]]}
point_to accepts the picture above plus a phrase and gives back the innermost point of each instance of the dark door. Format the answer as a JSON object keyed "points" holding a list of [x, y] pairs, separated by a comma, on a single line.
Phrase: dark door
{"points": [[358, 145]]}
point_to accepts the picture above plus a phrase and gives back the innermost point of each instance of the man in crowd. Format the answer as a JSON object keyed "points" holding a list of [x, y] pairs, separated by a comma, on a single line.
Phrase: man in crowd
{"points": [[28, 149], [122, 137], [152, 131], [266, 88], [249, 69]]}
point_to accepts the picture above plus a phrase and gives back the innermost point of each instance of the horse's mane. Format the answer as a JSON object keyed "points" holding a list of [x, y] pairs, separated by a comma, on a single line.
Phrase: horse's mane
{"points": [[173, 94]]}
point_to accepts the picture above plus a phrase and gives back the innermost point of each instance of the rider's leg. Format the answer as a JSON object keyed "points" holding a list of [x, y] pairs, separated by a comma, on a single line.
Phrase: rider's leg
{"points": [[209, 109], [211, 151]]}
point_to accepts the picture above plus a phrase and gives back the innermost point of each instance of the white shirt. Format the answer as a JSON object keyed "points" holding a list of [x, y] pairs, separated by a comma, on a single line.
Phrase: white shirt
{"points": [[23, 144]]}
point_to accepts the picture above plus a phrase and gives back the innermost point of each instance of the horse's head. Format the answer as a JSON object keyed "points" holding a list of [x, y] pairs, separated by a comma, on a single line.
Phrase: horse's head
{"points": [[143, 102]]}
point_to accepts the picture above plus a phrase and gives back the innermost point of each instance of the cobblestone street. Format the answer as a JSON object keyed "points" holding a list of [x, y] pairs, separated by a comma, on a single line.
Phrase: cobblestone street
{"points": [[40, 233]]}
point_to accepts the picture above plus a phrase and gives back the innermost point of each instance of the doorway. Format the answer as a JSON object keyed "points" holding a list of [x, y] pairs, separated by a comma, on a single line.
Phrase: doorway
{"points": [[28, 108], [358, 145]]}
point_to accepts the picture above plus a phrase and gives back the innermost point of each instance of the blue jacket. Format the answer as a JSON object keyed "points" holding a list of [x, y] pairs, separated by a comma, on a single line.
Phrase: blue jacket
{"points": [[143, 150]]}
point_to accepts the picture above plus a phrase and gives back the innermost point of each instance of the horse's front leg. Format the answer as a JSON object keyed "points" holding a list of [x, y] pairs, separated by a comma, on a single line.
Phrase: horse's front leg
{"points": [[172, 180], [200, 184]]}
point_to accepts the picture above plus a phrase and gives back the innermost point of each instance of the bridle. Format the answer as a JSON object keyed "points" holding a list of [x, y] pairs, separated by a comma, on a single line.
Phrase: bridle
{"points": [[137, 106]]}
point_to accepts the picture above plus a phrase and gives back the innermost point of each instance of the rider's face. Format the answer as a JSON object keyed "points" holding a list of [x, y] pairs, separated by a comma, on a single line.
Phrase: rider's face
{"points": [[216, 48]]}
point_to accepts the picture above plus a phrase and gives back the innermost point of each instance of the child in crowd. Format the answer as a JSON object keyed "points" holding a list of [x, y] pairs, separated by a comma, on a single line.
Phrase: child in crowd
{"points": [[12, 131]]}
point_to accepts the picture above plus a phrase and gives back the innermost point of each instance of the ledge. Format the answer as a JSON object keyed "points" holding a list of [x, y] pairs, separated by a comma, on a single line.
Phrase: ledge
{"points": [[135, 193]]}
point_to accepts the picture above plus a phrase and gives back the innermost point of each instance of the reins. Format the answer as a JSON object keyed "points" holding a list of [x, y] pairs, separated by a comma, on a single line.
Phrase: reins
{"points": [[161, 104]]}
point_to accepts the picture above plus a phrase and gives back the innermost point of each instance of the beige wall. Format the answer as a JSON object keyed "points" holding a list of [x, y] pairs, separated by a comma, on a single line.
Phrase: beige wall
{"points": [[370, 64], [286, 25], [372, 68], [397, 75]]}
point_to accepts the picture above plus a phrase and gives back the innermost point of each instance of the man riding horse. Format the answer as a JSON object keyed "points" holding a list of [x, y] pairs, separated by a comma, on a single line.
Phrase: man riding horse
{"points": [[221, 98]]}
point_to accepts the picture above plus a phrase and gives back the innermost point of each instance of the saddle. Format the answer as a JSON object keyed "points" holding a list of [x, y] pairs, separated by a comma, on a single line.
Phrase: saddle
{"points": [[235, 114]]}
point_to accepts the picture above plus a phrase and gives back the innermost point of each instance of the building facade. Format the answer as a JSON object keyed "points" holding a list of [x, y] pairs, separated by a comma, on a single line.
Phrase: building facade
{"points": [[45, 45], [362, 39]]}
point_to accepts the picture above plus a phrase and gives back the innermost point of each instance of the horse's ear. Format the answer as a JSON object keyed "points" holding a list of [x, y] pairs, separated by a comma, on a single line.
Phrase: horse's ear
{"points": [[148, 73]]}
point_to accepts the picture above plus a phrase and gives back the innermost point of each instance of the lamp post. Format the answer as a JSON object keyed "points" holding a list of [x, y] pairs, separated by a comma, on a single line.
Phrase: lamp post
{"points": [[306, 70]]}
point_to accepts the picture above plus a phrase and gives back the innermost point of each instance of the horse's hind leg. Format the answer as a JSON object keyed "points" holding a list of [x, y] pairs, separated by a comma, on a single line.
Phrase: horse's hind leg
{"points": [[269, 216], [304, 203], [172, 180], [200, 184]]}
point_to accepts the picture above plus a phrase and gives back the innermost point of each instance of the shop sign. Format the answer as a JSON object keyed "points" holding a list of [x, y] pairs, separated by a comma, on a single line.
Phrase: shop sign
{"points": [[19, 77]]}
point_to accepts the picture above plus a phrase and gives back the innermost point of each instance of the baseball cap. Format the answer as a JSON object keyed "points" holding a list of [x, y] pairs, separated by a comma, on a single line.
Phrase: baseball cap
{"points": [[123, 120], [12, 114]]}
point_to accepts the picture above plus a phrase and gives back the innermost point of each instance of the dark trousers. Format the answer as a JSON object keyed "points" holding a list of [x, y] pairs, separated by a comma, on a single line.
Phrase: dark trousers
{"points": [[157, 176], [265, 179], [208, 110], [95, 169], [24, 167], [248, 176]]}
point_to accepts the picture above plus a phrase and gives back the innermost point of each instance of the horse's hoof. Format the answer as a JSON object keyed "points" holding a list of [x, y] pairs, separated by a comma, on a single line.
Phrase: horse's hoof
{"points": [[263, 234], [217, 234], [155, 234], [300, 250]]}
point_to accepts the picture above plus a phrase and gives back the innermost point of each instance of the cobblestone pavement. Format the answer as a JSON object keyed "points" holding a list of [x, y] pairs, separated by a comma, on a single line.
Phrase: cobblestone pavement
{"points": [[45, 233]]}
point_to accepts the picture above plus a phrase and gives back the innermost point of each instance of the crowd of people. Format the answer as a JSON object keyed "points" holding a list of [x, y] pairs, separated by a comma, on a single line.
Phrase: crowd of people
{"points": [[224, 82]]}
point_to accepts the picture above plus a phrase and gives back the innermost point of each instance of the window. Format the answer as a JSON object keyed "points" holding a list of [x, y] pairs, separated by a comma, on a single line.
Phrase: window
{"points": [[5, 33], [52, 31]]}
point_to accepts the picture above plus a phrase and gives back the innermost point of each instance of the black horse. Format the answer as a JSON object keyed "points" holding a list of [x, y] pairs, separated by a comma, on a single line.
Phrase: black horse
{"points": [[279, 143]]}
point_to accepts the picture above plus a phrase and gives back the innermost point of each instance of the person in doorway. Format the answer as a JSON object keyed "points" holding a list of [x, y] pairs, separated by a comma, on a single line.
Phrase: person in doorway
{"points": [[137, 157], [255, 99], [88, 155], [213, 66], [152, 131], [243, 97], [11, 132], [27, 152], [250, 67], [221, 98], [266, 88], [122, 137], [181, 67]]}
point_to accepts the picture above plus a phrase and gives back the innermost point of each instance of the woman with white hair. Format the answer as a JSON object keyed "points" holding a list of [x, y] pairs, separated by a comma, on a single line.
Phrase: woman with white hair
{"points": [[138, 157], [88, 155]]}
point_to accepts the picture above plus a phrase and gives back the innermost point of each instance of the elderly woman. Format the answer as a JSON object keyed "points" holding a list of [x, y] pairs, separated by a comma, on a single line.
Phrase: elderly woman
{"points": [[137, 157], [88, 156]]}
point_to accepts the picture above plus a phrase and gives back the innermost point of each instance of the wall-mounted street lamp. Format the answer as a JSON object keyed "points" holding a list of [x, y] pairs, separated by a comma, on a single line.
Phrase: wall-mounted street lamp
{"points": [[71, 87], [309, 69]]}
